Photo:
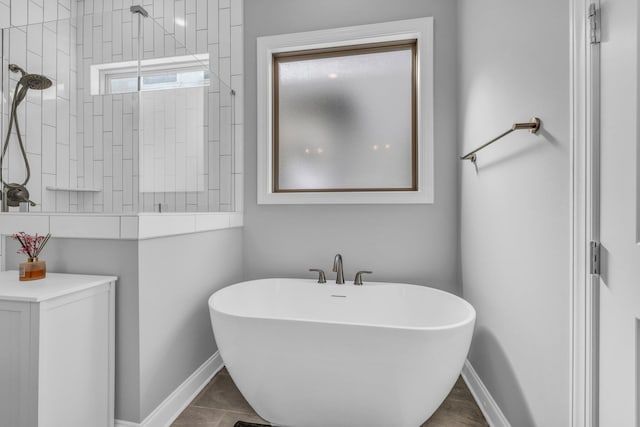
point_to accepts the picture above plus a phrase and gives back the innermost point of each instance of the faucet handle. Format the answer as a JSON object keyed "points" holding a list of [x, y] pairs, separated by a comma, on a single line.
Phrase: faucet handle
{"points": [[321, 276], [358, 279]]}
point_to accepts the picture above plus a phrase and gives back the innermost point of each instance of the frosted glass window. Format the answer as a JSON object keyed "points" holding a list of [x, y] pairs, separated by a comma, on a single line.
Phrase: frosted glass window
{"points": [[345, 119]]}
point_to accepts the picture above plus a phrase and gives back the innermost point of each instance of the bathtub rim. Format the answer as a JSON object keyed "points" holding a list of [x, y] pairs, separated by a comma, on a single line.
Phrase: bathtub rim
{"points": [[468, 318]]}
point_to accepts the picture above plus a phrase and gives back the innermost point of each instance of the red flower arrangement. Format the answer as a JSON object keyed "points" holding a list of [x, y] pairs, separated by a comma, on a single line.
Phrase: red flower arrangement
{"points": [[31, 245]]}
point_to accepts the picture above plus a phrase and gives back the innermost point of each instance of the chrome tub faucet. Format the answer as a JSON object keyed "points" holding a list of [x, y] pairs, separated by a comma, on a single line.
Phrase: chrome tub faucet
{"points": [[337, 268]]}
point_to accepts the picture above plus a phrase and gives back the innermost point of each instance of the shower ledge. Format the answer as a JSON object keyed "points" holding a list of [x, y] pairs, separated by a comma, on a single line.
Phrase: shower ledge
{"points": [[74, 189], [133, 226]]}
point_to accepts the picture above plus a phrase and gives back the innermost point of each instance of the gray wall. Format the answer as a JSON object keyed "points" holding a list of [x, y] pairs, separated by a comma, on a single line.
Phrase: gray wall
{"points": [[163, 330], [515, 218], [177, 277], [402, 243], [113, 258]]}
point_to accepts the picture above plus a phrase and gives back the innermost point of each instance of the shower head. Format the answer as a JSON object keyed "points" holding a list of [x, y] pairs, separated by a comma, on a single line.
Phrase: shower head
{"points": [[35, 81], [31, 81], [15, 69]]}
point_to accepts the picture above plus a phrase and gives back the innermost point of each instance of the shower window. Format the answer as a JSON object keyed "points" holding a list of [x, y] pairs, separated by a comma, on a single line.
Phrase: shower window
{"points": [[346, 115], [157, 81], [156, 74]]}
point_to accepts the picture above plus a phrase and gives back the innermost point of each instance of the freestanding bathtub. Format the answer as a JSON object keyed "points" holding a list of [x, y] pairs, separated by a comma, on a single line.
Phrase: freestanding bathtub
{"points": [[305, 354]]}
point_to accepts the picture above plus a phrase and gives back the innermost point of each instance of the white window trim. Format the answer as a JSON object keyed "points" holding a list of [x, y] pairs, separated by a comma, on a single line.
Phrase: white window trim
{"points": [[100, 74], [420, 29]]}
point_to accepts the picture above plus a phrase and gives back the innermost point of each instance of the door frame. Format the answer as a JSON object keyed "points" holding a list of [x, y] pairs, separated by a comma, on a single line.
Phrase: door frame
{"points": [[584, 176]]}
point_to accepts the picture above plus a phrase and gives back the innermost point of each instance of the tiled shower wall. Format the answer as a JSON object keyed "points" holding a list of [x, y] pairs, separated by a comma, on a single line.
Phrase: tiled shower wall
{"points": [[45, 117], [96, 137]]}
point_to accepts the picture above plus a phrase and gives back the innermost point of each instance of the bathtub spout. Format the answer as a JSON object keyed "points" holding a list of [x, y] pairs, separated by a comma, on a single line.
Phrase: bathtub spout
{"points": [[337, 268]]}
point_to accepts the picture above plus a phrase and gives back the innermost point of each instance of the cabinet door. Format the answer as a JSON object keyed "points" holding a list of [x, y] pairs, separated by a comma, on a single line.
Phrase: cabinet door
{"points": [[17, 381], [74, 360]]}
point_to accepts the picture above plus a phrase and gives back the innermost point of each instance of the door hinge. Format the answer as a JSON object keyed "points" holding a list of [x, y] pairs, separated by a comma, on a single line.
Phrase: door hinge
{"points": [[594, 24], [594, 258]]}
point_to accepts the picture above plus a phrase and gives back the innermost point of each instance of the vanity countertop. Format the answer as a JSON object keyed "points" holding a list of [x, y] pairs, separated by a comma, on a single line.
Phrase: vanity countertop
{"points": [[53, 286]]}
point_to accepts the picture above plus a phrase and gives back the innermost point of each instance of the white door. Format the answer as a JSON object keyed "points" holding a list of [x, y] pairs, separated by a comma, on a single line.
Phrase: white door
{"points": [[619, 284]]}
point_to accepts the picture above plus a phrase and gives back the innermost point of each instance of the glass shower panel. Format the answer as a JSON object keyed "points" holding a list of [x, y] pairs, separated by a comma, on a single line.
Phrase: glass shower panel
{"points": [[185, 126], [94, 142]]}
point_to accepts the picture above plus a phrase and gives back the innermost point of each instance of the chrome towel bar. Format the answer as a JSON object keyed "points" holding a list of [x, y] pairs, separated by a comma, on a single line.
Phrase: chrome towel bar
{"points": [[533, 125]]}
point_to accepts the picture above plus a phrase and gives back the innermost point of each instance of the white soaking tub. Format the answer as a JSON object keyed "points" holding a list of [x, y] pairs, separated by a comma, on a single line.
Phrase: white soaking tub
{"points": [[306, 354]]}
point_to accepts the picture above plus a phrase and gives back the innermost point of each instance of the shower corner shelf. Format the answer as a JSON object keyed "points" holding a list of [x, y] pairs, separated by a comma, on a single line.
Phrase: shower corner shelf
{"points": [[77, 190]]}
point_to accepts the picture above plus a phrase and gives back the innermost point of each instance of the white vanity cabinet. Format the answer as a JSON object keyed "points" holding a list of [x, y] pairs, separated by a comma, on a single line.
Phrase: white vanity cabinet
{"points": [[57, 351]]}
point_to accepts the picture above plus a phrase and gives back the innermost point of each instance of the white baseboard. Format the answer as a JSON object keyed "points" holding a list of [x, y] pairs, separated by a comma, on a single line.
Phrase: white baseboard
{"points": [[488, 406], [181, 397]]}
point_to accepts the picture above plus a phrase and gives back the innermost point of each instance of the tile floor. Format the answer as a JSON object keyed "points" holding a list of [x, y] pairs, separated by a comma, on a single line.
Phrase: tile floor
{"points": [[220, 404]]}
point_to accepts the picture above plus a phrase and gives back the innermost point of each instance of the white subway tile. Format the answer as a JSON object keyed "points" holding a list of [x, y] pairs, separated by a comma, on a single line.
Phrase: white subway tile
{"points": [[190, 30], [127, 172], [17, 46], [107, 192], [213, 13], [107, 26], [225, 180], [63, 12], [63, 37], [33, 137], [62, 201], [225, 131], [117, 32], [117, 168], [5, 15], [107, 110], [48, 150], [224, 32], [118, 206], [214, 116], [19, 12], [190, 6], [48, 197], [34, 39], [238, 145], [201, 10], [238, 189], [237, 49], [35, 184], [108, 153], [62, 121], [202, 45], [88, 166], [237, 83], [169, 16], [236, 12], [158, 9], [97, 138], [127, 136], [62, 165], [98, 178], [214, 200], [180, 16], [224, 72], [35, 12]]}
